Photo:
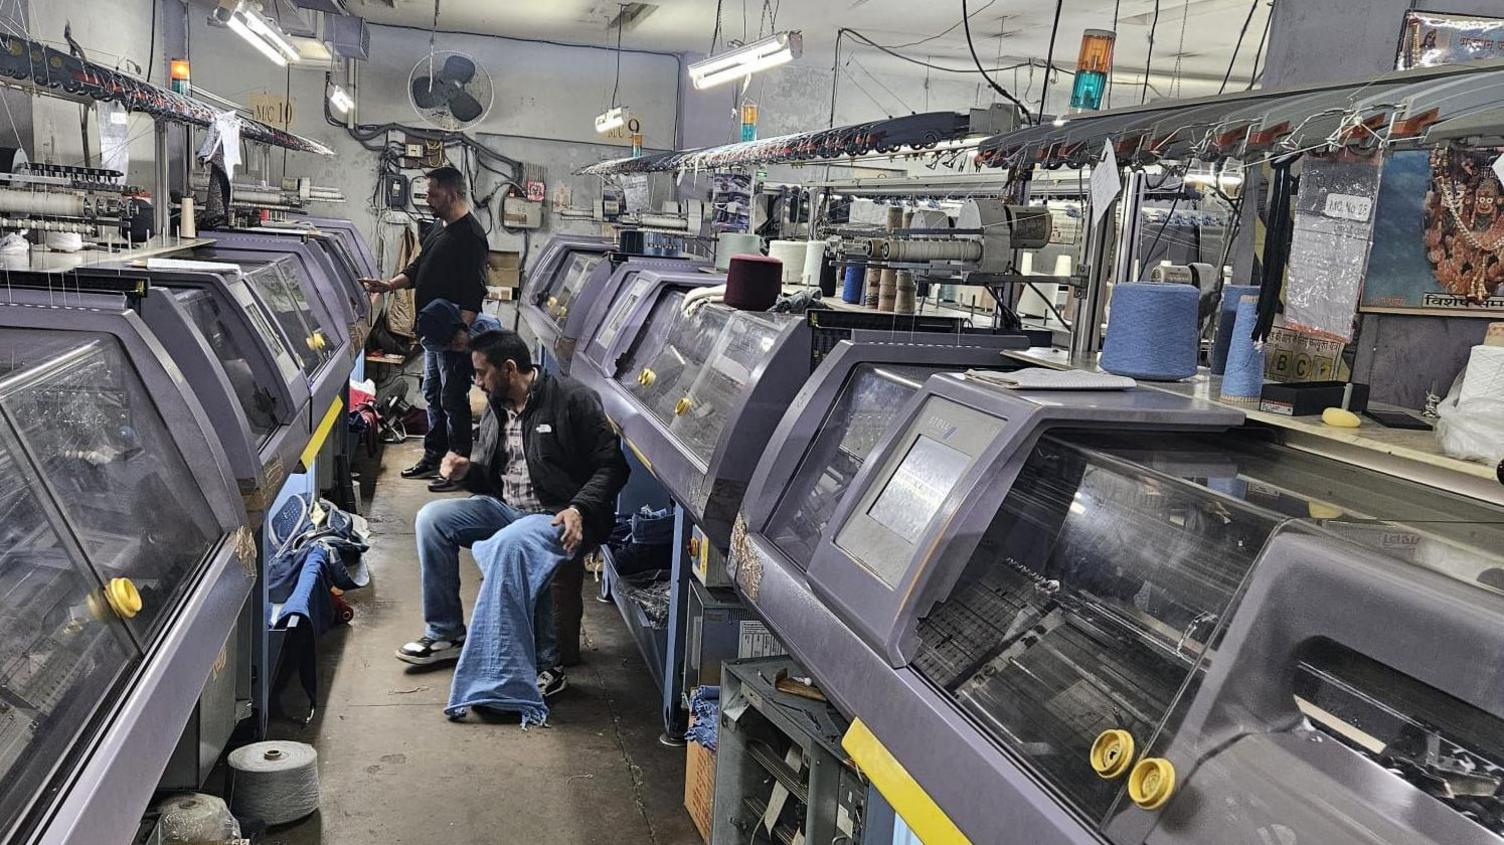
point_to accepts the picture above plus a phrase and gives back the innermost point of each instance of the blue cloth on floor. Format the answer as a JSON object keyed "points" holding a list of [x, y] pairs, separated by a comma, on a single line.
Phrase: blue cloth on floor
{"points": [[319, 566], [498, 664], [705, 704]]}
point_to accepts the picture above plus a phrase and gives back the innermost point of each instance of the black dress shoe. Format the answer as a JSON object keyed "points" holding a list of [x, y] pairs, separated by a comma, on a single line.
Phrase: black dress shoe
{"points": [[422, 469], [444, 485]]}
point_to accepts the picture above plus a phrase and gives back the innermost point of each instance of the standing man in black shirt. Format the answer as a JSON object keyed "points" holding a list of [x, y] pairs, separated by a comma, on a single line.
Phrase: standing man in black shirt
{"points": [[452, 266]]}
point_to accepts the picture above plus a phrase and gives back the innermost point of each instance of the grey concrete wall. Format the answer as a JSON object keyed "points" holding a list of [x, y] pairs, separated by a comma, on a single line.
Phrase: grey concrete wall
{"points": [[116, 34]]}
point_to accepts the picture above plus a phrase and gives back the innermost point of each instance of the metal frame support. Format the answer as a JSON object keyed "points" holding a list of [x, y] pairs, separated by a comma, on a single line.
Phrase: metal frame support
{"points": [[161, 190]]}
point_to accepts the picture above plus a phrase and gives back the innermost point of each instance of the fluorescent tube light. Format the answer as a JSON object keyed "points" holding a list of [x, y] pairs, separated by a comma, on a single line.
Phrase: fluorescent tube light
{"points": [[341, 100], [611, 119], [270, 34], [777, 49], [238, 27]]}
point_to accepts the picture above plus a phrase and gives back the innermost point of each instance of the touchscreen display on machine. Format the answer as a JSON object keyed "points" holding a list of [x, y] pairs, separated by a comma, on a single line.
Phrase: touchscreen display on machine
{"points": [[907, 494], [918, 487]]}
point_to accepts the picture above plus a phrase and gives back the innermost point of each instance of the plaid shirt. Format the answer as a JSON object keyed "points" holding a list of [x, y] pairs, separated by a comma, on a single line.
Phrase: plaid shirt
{"points": [[516, 483]]}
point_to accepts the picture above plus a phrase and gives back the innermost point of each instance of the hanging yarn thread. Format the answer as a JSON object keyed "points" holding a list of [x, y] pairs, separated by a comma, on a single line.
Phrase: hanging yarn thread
{"points": [[1244, 379], [276, 782], [1227, 314], [1152, 332]]}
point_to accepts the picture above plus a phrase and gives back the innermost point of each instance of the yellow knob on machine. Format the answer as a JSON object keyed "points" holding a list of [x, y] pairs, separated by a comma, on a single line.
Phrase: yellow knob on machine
{"points": [[1152, 782], [312, 344], [1112, 754], [682, 405], [552, 301], [123, 597], [646, 377], [563, 312]]}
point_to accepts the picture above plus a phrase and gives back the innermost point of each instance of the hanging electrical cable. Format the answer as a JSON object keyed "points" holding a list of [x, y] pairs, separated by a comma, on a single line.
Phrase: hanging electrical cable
{"points": [[966, 25], [1252, 8], [1149, 59], [1258, 56], [1049, 58], [621, 22]]}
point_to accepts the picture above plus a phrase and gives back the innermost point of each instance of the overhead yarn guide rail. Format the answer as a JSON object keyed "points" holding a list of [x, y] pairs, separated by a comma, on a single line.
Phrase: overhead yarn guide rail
{"points": [[40, 69], [917, 132]]}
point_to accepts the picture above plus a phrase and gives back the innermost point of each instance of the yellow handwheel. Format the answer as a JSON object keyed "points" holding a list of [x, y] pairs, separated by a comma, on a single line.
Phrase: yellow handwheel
{"points": [[123, 597], [563, 312], [552, 301], [1152, 782], [682, 405], [1112, 754], [646, 377]]}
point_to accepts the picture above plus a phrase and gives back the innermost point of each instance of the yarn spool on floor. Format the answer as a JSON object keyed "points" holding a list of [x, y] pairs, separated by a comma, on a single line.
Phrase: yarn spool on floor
{"points": [[1152, 333], [1244, 380], [275, 782], [735, 243], [1227, 314], [792, 254]]}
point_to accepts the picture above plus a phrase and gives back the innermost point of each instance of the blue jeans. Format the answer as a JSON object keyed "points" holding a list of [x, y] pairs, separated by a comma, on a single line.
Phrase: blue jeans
{"points": [[446, 388], [443, 526]]}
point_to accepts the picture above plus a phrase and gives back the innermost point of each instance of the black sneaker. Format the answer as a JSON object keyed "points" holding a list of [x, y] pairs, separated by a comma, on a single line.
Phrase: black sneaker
{"points": [[551, 682], [427, 651], [422, 469], [444, 485]]}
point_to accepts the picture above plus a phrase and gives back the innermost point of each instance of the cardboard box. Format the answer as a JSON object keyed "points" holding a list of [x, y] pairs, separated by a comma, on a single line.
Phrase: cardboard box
{"points": [[503, 269], [699, 786], [500, 294]]}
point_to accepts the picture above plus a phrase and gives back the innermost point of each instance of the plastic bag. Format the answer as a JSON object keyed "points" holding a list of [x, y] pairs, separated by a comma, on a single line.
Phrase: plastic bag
{"points": [[1473, 431]]}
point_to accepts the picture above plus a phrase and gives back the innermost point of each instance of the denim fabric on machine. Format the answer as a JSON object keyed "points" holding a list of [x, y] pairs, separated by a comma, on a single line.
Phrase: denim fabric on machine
{"points": [[498, 666], [447, 376]]}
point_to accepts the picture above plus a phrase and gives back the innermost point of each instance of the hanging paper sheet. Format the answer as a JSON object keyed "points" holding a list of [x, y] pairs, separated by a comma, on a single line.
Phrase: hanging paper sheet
{"points": [[1334, 217]]}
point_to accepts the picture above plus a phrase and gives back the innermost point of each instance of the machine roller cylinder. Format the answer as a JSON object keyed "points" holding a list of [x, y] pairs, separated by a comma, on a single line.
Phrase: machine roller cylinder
{"points": [[15, 201], [931, 249]]}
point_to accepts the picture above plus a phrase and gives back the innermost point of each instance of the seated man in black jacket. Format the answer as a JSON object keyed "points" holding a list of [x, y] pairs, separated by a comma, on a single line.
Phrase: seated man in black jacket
{"points": [[545, 448]]}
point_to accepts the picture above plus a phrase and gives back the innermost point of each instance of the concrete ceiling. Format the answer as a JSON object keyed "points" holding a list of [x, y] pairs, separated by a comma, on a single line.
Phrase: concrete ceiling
{"points": [[1207, 29]]}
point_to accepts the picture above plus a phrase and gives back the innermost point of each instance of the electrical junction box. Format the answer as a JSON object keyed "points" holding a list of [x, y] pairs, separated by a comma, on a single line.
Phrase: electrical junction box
{"points": [[411, 150], [521, 213], [706, 561], [396, 190]]}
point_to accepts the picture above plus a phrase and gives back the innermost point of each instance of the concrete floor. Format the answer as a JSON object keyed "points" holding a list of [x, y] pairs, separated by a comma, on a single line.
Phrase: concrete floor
{"points": [[395, 771]]}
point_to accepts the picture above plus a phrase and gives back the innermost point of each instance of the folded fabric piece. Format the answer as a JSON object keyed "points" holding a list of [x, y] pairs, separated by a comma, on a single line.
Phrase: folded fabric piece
{"points": [[705, 705], [498, 665], [1041, 378]]}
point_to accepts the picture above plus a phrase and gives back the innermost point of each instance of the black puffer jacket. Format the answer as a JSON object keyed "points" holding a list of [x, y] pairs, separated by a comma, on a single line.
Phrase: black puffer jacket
{"points": [[573, 454]]}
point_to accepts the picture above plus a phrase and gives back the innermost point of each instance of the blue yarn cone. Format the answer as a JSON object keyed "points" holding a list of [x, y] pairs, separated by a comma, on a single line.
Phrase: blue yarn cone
{"points": [[1227, 314], [851, 291], [1154, 331], [1244, 379]]}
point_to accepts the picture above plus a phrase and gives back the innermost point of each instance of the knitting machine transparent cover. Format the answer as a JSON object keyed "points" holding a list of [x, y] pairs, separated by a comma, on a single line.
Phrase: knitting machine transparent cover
{"points": [[61, 652], [860, 416], [620, 310], [85, 419], [263, 407], [1098, 595], [280, 286], [724, 365], [580, 268]]}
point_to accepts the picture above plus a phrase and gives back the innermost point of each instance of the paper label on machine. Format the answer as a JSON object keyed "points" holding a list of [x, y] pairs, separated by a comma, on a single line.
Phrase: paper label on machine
{"points": [[1349, 207], [755, 640]]}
